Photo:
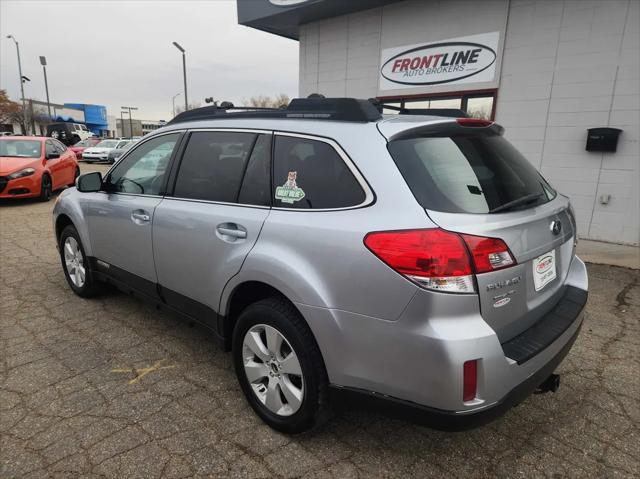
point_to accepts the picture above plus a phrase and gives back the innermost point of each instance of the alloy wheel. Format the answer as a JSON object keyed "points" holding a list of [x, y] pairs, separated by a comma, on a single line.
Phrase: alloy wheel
{"points": [[273, 370], [74, 261]]}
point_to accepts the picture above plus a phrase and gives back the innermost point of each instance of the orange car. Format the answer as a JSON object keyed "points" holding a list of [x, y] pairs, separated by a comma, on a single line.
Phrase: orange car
{"points": [[34, 166]]}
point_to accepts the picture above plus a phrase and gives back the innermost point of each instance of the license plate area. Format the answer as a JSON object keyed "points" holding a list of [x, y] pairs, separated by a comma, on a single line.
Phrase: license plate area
{"points": [[544, 269]]}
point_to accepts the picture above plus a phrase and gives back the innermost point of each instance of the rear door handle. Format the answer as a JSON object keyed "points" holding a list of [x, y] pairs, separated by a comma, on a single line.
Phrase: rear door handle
{"points": [[234, 232]]}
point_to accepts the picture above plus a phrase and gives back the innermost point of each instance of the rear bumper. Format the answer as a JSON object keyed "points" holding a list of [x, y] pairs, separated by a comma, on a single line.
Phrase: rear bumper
{"points": [[418, 360], [443, 419]]}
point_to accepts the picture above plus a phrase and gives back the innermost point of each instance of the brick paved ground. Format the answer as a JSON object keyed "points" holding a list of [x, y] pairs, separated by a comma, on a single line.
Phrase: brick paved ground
{"points": [[65, 412]]}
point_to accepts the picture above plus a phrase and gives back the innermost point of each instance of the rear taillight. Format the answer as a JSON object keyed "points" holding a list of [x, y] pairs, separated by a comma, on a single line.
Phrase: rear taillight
{"points": [[438, 259], [470, 380], [489, 254]]}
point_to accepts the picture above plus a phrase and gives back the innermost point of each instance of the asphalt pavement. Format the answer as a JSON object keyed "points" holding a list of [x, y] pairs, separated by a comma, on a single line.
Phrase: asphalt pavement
{"points": [[110, 387]]}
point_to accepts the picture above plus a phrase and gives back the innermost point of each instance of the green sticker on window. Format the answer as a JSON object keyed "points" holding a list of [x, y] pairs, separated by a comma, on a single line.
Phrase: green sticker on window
{"points": [[289, 192]]}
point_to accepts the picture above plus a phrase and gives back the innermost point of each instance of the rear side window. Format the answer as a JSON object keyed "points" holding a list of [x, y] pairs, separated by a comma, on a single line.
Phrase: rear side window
{"points": [[469, 174], [310, 174], [213, 165]]}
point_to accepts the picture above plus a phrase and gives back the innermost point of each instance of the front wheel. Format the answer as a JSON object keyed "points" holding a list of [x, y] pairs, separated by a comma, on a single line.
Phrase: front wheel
{"points": [[77, 269], [279, 366], [45, 188]]}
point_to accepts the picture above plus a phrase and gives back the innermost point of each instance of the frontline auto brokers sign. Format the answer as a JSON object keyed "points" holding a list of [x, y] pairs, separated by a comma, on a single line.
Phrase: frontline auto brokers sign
{"points": [[469, 59]]}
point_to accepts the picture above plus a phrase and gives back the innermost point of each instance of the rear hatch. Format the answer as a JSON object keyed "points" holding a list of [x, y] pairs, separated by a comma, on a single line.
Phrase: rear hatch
{"points": [[471, 181]]}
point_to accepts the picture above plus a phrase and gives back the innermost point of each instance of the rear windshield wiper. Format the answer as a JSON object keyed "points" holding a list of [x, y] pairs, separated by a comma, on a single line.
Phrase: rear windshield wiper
{"points": [[520, 201]]}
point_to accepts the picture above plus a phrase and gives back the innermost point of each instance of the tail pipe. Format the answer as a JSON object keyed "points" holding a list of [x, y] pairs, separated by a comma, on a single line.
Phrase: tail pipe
{"points": [[551, 384]]}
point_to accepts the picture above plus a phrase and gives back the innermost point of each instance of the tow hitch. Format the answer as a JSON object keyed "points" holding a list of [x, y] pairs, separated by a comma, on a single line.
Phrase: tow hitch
{"points": [[551, 384]]}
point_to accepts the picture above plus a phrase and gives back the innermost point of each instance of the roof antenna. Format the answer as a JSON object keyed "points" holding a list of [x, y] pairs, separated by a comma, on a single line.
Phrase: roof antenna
{"points": [[316, 95]]}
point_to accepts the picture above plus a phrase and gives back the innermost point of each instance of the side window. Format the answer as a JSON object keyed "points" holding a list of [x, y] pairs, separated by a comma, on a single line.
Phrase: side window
{"points": [[256, 185], [143, 171], [213, 165], [311, 174], [59, 147], [50, 149]]}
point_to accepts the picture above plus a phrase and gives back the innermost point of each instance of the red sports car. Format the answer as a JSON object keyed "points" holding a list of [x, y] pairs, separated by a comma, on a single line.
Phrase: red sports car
{"points": [[79, 147], [34, 166]]}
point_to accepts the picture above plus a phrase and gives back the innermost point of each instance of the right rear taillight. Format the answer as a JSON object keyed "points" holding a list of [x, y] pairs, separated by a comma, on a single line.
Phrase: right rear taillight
{"points": [[437, 259], [433, 258]]}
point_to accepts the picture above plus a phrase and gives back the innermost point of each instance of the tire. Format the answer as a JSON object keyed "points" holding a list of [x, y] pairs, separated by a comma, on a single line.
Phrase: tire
{"points": [[75, 177], [45, 188], [74, 249], [272, 387]]}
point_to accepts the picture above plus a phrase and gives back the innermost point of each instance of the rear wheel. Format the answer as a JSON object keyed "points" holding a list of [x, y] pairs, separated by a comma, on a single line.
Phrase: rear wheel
{"points": [[279, 366], [77, 269], [45, 188]]}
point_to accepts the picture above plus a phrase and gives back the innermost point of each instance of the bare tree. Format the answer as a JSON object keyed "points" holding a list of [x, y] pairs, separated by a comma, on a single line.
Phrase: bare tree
{"points": [[10, 111], [263, 101], [180, 108]]}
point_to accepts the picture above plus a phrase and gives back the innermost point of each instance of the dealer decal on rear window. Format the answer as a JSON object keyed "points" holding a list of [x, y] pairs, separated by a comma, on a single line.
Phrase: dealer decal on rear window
{"points": [[290, 192]]}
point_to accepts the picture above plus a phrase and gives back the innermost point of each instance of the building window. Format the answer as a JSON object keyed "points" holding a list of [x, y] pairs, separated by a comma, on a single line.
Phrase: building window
{"points": [[476, 104]]}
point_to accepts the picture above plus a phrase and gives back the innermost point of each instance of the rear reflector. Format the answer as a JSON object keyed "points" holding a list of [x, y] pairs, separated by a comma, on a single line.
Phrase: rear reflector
{"points": [[438, 259], [470, 380], [473, 122]]}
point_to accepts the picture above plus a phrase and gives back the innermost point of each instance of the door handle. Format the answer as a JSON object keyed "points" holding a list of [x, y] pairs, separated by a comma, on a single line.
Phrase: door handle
{"points": [[234, 232], [140, 216]]}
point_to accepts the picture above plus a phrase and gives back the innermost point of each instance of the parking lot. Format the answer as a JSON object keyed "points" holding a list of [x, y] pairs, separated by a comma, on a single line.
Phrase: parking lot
{"points": [[110, 387]]}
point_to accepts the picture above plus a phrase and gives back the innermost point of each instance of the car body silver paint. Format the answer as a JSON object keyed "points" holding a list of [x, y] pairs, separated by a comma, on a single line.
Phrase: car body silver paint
{"points": [[191, 256], [356, 306]]}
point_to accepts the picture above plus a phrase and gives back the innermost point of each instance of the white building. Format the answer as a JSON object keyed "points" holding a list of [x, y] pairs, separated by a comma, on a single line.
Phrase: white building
{"points": [[546, 70]]}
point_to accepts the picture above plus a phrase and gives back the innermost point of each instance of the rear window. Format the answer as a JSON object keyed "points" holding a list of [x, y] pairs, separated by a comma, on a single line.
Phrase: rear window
{"points": [[469, 174]]}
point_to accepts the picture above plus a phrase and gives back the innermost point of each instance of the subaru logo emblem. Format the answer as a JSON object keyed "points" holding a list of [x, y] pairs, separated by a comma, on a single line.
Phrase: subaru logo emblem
{"points": [[556, 227]]}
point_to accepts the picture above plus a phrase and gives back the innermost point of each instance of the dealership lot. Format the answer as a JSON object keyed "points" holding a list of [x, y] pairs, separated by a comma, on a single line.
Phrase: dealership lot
{"points": [[111, 387]]}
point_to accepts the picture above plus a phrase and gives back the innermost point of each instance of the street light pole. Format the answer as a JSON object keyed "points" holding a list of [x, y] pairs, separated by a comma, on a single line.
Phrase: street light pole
{"points": [[121, 124], [173, 102], [43, 62], [184, 73], [24, 106], [130, 121]]}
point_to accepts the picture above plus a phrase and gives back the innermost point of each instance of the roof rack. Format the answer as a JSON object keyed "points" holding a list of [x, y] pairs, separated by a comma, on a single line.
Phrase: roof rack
{"points": [[336, 109]]}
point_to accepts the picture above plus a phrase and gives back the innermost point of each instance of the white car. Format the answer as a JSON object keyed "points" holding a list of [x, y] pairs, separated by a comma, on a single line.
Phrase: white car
{"points": [[101, 151]]}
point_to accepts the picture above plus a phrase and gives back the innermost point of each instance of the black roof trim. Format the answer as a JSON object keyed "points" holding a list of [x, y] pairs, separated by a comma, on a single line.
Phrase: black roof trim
{"points": [[335, 109]]}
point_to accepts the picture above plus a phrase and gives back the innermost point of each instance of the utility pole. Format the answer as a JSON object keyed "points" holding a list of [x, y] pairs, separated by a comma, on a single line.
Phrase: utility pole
{"points": [[129, 108], [173, 103], [43, 62], [184, 73], [24, 105]]}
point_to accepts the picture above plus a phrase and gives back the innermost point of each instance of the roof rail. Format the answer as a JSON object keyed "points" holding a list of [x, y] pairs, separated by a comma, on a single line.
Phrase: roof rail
{"points": [[336, 109]]}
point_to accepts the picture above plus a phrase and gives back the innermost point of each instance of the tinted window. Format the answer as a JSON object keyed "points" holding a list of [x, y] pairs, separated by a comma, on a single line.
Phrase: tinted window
{"points": [[59, 146], [213, 165], [143, 171], [311, 174], [468, 174], [256, 184]]}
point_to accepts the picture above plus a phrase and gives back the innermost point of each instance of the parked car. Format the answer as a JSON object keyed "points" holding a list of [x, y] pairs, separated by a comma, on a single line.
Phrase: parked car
{"points": [[34, 166], [117, 152], [420, 262], [68, 133], [79, 147], [100, 152]]}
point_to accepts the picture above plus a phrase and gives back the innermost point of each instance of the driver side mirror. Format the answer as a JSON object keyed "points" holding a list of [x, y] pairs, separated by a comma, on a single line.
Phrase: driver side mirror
{"points": [[53, 155], [89, 182]]}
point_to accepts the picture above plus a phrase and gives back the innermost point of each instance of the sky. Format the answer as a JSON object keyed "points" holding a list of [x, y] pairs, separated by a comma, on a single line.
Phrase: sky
{"points": [[117, 53]]}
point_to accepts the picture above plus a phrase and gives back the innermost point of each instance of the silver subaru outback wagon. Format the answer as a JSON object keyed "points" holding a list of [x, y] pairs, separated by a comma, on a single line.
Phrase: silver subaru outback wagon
{"points": [[418, 262]]}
